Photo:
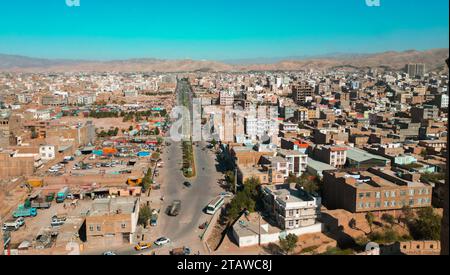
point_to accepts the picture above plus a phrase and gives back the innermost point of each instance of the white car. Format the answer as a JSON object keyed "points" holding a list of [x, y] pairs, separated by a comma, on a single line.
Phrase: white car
{"points": [[51, 170], [162, 241], [226, 194]]}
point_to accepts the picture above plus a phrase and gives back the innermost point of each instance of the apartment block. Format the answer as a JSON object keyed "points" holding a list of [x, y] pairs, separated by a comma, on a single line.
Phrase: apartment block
{"points": [[376, 189]]}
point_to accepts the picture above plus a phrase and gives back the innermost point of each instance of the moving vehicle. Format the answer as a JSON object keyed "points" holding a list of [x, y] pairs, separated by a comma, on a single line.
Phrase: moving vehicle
{"points": [[187, 184], [62, 194], [142, 246], [215, 205], [22, 211], [109, 253], [13, 225], [174, 208], [180, 251], [162, 241]]}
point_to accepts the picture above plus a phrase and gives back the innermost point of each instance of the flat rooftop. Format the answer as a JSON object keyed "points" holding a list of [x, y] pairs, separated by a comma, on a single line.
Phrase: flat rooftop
{"points": [[122, 205]]}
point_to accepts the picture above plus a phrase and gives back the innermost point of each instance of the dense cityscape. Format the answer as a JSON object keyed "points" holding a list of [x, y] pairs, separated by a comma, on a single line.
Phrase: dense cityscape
{"points": [[226, 135], [295, 162]]}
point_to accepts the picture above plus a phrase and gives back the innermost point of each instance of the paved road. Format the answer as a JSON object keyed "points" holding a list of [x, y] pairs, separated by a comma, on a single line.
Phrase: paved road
{"points": [[183, 230]]}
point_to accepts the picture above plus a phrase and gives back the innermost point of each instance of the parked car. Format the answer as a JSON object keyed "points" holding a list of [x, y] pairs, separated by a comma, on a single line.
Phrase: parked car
{"points": [[226, 194], [109, 253], [181, 251], [142, 246], [187, 184], [162, 241]]}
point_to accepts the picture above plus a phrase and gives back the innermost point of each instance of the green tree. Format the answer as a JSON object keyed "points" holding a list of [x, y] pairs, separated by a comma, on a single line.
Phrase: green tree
{"points": [[370, 218], [289, 243], [427, 226], [213, 142], [144, 215], [307, 183], [388, 218], [231, 181]]}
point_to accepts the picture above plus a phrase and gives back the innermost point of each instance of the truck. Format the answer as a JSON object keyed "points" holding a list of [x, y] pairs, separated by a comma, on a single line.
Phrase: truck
{"points": [[62, 194], [41, 204], [22, 211], [13, 224]]}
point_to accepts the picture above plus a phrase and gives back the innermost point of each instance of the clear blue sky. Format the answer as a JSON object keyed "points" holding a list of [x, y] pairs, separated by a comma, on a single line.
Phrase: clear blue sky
{"points": [[218, 29]]}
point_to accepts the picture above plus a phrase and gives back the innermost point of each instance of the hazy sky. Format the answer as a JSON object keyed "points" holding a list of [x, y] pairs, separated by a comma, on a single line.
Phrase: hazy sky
{"points": [[218, 29]]}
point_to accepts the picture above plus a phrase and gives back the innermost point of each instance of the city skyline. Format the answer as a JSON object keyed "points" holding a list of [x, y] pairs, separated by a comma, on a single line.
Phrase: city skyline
{"points": [[224, 30]]}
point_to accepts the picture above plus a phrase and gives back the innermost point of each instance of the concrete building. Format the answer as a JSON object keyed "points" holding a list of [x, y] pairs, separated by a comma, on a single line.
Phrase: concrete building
{"points": [[296, 161], [376, 189], [335, 156], [423, 113], [302, 93], [290, 207], [112, 221], [414, 70], [47, 152], [226, 98]]}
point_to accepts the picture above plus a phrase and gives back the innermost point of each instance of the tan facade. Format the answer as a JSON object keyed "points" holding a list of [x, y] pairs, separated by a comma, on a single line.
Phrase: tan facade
{"points": [[367, 192]]}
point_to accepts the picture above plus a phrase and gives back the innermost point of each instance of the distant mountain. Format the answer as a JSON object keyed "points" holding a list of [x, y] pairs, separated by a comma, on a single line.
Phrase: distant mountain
{"points": [[433, 59]]}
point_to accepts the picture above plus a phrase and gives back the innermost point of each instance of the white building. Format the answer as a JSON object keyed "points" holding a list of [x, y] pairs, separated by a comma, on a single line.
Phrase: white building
{"points": [[47, 152], [297, 161]]}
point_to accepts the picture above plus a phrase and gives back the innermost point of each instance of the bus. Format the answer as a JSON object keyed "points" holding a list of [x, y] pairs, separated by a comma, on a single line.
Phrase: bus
{"points": [[215, 205]]}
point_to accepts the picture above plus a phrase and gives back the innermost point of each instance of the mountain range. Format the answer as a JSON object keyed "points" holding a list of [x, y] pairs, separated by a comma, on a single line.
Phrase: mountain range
{"points": [[433, 59]]}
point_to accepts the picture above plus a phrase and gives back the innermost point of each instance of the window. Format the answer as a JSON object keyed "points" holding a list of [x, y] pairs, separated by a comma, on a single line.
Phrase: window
{"points": [[393, 194], [361, 195], [403, 193], [427, 191], [378, 204], [291, 223], [368, 195], [419, 201], [291, 213], [378, 195], [386, 204], [420, 191], [123, 226], [99, 228], [393, 203], [411, 192], [411, 202], [91, 228], [386, 194], [361, 205], [367, 204]]}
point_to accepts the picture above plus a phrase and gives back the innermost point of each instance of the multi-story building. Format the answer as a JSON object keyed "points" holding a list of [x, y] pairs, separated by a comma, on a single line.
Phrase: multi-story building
{"points": [[296, 161], [112, 221], [47, 152], [290, 207], [414, 70], [376, 189], [302, 93], [226, 98], [335, 156], [423, 113]]}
